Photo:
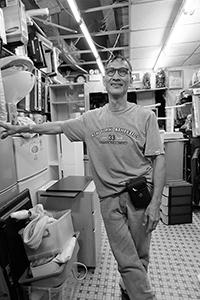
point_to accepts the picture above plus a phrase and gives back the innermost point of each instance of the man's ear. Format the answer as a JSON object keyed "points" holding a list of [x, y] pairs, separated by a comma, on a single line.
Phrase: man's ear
{"points": [[131, 80], [103, 79]]}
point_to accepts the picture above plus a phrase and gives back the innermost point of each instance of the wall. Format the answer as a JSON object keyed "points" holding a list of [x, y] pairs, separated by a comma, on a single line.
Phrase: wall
{"points": [[187, 77]]}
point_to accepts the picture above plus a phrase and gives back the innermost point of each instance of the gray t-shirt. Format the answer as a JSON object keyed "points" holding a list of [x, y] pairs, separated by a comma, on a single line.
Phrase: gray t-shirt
{"points": [[119, 144]]}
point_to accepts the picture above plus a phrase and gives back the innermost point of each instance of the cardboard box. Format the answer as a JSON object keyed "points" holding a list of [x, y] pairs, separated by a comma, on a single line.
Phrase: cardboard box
{"points": [[15, 24]]}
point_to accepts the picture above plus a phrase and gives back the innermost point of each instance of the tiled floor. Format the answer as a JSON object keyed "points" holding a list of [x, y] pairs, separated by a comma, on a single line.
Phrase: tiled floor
{"points": [[173, 270]]}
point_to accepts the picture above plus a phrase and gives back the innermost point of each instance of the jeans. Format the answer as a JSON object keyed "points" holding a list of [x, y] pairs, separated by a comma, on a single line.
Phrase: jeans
{"points": [[129, 243]]}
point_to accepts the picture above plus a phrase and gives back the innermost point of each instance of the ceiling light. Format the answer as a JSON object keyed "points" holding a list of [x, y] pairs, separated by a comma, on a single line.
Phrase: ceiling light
{"points": [[86, 33], [75, 10], [174, 33], [100, 65], [89, 39]]}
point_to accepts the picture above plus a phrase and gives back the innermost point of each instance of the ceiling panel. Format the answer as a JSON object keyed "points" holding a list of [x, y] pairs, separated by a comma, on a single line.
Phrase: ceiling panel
{"points": [[142, 64], [153, 14], [174, 61], [183, 49], [188, 33], [147, 38], [193, 60], [197, 51], [146, 52]]}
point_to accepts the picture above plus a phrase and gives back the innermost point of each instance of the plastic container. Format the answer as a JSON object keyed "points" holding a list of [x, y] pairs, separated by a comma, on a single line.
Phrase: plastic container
{"points": [[56, 236], [55, 278], [63, 291], [43, 293], [51, 265], [45, 269]]}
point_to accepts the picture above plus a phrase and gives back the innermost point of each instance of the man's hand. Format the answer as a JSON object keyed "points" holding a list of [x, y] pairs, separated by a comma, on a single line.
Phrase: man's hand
{"points": [[151, 216], [8, 130]]}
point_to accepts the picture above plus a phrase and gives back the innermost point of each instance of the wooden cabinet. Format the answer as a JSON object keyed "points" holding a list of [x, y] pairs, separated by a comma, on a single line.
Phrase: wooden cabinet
{"points": [[65, 158]]}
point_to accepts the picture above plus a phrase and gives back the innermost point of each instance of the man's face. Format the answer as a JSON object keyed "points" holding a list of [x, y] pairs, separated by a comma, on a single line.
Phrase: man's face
{"points": [[117, 77]]}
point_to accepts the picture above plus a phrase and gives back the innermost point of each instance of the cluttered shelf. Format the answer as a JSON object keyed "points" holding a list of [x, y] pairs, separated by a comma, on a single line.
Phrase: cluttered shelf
{"points": [[147, 90]]}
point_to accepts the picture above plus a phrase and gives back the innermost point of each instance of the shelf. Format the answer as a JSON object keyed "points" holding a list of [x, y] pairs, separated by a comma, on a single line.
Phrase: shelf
{"points": [[53, 163], [196, 85], [68, 102], [147, 90]]}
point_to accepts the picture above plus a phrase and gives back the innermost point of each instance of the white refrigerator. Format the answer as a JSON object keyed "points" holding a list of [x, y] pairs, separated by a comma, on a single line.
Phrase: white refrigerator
{"points": [[31, 162], [8, 177]]}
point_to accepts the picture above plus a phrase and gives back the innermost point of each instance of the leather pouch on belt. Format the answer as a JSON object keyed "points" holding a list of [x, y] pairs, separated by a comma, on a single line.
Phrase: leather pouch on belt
{"points": [[138, 191]]}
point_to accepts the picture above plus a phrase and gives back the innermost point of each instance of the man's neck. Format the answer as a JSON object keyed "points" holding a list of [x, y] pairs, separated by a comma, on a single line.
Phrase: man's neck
{"points": [[118, 104]]}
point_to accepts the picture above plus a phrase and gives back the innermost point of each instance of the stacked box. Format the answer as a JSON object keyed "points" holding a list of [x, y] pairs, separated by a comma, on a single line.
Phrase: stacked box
{"points": [[176, 206]]}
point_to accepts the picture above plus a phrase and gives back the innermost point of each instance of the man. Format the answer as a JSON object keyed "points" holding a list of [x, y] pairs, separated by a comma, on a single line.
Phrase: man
{"points": [[123, 142]]}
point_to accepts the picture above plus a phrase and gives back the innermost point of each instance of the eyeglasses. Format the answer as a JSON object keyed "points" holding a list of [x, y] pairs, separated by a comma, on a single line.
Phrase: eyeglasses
{"points": [[121, 71]]}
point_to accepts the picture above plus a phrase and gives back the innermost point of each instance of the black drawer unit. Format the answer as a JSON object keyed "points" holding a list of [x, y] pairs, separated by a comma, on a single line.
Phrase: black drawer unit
{"points": [[176, 206]]}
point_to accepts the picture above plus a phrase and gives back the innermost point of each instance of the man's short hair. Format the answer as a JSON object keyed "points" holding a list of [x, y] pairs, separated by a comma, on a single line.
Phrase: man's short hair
{"points": [[118, 57]]}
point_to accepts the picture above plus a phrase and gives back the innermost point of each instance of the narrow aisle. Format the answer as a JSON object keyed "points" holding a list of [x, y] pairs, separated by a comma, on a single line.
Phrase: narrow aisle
{"points": [[101, 283], [173, 270]]}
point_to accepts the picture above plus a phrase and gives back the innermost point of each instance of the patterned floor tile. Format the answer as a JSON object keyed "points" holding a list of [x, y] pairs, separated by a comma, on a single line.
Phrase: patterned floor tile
{"points": [[173, 269]]}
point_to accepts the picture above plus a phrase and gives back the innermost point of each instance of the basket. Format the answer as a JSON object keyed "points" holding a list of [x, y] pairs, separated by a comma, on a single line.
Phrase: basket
{"points": [[55, 278], [43, 293], [56, 236]]}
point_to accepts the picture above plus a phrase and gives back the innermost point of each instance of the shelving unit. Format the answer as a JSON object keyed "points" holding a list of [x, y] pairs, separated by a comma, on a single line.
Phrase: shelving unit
{"points": [[67, 101]]}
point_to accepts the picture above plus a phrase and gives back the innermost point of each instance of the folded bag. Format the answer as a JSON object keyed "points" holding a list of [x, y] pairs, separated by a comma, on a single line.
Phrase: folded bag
{"points": [[138, 191]]}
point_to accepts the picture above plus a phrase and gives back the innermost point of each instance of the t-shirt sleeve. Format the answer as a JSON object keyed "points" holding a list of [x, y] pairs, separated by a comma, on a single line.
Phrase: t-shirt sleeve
{"points": [[154, 145], [74, 129]]}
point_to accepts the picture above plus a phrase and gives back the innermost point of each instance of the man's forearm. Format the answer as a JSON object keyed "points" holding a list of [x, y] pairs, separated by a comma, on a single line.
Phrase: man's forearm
{"points": [[158, 178], [7, 129], [44, 128]]}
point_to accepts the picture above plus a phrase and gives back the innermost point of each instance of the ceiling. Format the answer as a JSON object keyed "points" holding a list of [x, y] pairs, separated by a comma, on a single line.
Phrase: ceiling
{"points": [[138, 29]]}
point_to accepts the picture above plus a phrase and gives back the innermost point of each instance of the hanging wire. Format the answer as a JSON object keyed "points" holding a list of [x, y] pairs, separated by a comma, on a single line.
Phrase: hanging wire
{"points": [[118, 36], [102, 47], [104, 23], [60, 3]]}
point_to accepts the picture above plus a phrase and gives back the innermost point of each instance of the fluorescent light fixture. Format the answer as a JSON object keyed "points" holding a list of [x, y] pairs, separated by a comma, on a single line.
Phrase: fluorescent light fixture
{"points": [[86, 33], [100, 65], [75, 10], [175, 32], [89, 39]]}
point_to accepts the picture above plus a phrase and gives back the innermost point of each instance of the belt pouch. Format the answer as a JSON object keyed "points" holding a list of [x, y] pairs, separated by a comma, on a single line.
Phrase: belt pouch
{"points": [[138, 192]]}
